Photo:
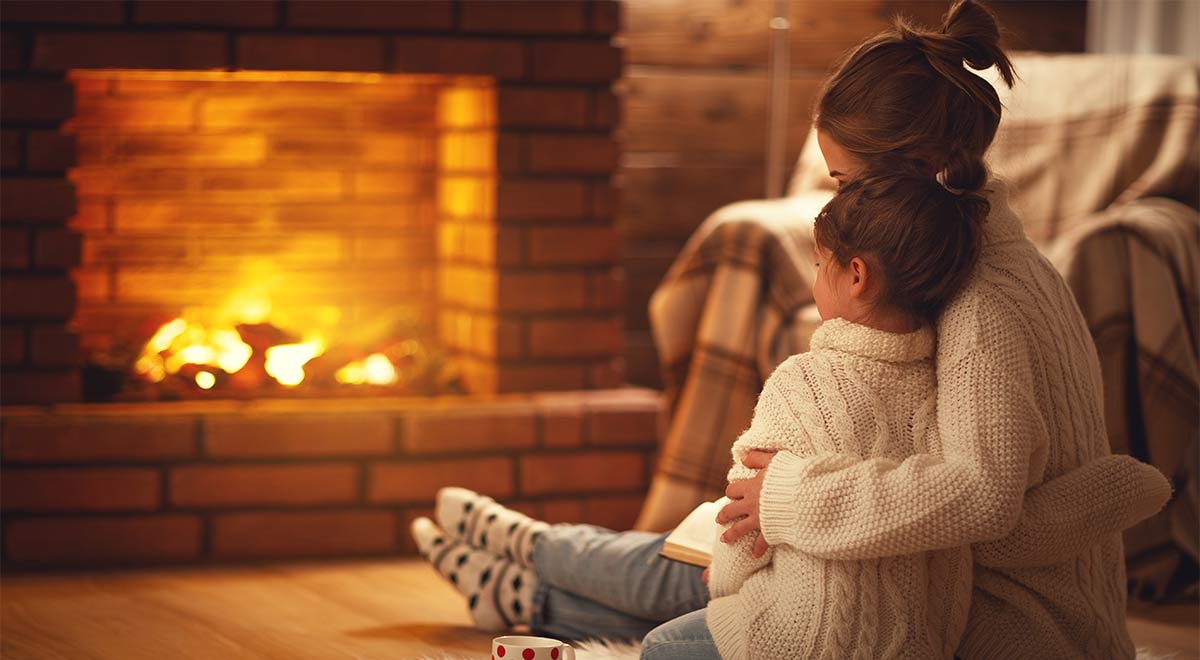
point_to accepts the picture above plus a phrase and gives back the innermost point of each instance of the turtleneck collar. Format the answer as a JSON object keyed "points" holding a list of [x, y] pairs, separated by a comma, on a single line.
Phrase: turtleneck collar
{"points": [[855, 339]]}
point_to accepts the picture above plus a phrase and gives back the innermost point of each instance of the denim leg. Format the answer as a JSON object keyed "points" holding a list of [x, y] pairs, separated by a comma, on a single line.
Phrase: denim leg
{"points": [[563, 615], [619, 570], [683, 638]]}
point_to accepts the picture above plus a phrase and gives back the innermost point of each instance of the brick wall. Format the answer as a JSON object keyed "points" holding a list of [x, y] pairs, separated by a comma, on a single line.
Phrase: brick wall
{"points": [[547, 260], [189, 482]]}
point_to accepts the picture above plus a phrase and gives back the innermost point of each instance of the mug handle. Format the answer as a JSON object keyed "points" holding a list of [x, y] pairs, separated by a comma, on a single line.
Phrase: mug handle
{"points": [[568, 652]]}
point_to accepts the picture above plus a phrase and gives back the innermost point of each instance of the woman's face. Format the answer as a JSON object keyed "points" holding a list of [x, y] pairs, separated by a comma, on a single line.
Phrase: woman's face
{"points": [[843, 165]]}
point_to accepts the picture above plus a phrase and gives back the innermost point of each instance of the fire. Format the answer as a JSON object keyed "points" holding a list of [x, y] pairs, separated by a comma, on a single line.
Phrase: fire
{"points": [[375, 369], [285, 363]]}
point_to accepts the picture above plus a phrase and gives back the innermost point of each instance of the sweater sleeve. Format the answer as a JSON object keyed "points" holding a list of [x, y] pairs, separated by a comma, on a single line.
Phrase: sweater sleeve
{"points": [[771, 427], [1066, 515], [835, 506]]}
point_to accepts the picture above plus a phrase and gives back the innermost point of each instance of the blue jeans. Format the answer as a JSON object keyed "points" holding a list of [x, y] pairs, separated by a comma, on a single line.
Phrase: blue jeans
{"points": [[596, 583]]}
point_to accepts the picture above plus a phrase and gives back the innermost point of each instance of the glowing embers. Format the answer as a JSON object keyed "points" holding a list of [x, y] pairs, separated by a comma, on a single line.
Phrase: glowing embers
{"points": [[185, 358]]}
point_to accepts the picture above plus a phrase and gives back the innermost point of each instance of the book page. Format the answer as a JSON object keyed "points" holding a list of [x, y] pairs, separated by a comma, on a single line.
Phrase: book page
{"points": [[692, 541]]}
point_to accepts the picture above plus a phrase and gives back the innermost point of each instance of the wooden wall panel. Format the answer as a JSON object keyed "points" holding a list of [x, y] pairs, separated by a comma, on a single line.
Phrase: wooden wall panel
{"points": [[694, 109]]}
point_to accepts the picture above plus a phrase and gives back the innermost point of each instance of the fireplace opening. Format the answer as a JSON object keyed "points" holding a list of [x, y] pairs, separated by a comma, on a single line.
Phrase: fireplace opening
{"points": [[250, 234]]}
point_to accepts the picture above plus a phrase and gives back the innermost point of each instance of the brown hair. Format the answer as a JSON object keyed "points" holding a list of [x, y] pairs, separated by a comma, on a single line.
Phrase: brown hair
{"points": [[903, 99], [923, 239]]}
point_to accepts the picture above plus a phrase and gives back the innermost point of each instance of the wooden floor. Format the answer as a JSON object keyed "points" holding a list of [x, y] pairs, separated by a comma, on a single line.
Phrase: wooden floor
{"points": [[367, 610]]}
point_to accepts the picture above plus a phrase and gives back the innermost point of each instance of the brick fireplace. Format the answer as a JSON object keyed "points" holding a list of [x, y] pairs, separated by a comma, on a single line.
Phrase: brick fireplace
{"points": [[442, 161]]}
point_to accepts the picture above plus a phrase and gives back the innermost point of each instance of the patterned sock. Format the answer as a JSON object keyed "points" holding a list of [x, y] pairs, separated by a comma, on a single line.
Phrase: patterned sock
{"points": [[499, 593], [484, 523]]}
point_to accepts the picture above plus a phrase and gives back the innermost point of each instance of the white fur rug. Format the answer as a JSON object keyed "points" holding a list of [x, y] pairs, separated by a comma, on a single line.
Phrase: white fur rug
{"points": [[583, 651]]}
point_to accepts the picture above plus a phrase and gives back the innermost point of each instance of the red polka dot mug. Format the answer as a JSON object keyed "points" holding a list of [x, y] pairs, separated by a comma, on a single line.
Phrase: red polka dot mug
{"points": [[523, 647]]}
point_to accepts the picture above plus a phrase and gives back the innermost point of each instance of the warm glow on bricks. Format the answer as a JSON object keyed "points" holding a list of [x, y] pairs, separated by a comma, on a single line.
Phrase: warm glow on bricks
{"points": [[306, 200]]}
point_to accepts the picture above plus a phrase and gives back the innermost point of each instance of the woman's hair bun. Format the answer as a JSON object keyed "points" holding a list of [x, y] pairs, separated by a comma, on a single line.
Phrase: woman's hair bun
{"points": [[969, 33]]}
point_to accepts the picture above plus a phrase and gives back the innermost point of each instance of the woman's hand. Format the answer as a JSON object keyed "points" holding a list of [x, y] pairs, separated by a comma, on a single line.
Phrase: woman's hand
{"points": [[745, 495], [704, 575]]}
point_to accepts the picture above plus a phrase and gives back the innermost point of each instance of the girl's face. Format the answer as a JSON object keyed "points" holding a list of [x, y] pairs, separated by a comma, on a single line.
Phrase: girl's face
{"points": [[842, 164]]}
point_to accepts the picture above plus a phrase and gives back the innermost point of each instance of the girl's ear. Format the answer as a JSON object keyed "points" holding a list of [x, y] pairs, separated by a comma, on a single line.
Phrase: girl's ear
{"points": [[860, 277]]}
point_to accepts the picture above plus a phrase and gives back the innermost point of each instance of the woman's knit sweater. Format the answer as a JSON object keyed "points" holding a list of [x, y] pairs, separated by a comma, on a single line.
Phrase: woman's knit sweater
{"points": [[1019, 402], [864, 393]]}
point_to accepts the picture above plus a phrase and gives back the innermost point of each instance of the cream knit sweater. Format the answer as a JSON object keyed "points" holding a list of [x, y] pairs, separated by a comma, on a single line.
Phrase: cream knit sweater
{"points": [[1018, 403], [860, 393]]}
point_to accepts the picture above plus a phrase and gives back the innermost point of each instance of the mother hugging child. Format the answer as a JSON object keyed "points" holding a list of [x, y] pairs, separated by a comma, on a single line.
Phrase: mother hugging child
{"points": [[931, 480]]}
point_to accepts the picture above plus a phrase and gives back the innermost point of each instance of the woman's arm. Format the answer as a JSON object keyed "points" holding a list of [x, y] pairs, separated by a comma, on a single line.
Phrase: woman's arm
{"points": [[835, 506], [1066, 515]]}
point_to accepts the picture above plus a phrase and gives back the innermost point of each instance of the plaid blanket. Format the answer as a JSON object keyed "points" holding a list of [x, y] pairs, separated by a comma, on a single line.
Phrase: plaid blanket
{"points": [[1135, 270], [1081, 134]]}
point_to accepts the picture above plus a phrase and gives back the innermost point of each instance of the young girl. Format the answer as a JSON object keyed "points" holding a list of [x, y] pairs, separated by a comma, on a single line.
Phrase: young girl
{"points": [[891, 251]]}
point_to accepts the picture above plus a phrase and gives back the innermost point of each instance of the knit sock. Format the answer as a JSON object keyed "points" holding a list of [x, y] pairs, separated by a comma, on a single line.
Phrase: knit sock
{"points": [[499, 593], [484, 523]]}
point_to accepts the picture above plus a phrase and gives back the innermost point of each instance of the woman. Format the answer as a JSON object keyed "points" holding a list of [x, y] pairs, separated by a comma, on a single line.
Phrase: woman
{"points": [[1019, 417]]}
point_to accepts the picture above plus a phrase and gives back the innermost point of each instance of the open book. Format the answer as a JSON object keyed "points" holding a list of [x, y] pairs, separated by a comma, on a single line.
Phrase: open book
{"points": [[692, 541]]}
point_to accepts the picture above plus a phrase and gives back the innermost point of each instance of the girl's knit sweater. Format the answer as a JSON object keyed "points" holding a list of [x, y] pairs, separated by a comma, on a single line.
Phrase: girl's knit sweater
{"points": [[864, 393], [1018, 403]]}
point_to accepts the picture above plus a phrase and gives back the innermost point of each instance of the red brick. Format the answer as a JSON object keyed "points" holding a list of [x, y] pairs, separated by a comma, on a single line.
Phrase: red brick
{"points": [[50, 151], [57, 248], [37, 297], [606, 109], [614, 512], [538, 107], [72, 439], [36, 199], [80, 540], [544, 291], [37, 100], [606, 16], [562, 425], [419, 481], [39, 387], [58, 51], [461, 429], [310, 53], [575, 61], [244, 13], [568, 337], [97, 12], [326, 483], [53, 346], [623, 424], [262, 535], [607, 374], [563, 511], [605, 289], [583, 154], [15, 248], [573, 245], [372, 14], [536, 377], [80, 489], [12, 51], [524, 16], [584, 472], [278, 436], [488, 57], [12, 347], [532, 199], [605, 201], [12, 150]]}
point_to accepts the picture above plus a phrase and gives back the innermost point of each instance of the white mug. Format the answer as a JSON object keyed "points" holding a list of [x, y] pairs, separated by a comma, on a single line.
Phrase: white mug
{"points": [[523, 647]]}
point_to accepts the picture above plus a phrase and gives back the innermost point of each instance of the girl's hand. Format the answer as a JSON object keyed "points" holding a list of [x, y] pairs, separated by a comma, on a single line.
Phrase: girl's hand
{"points": [[745, 494], [704, 575]]}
